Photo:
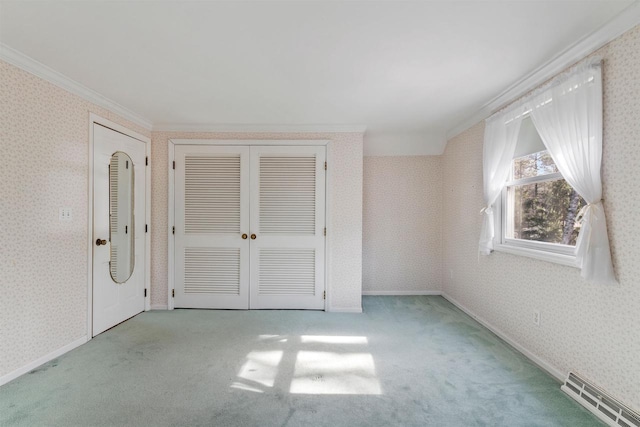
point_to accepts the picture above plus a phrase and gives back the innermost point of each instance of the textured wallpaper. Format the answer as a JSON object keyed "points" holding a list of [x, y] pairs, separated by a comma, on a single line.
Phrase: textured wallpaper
{"points": [[594, 330], [402, 224], [44, 144], [344, 219]]}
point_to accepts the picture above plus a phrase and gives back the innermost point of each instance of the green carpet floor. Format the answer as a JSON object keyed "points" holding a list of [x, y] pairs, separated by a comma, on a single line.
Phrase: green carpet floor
{"points": [[406, 361]]}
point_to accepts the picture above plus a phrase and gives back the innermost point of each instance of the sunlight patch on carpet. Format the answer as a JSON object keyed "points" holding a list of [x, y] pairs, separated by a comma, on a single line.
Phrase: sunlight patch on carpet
{"points": [[321, 372]]}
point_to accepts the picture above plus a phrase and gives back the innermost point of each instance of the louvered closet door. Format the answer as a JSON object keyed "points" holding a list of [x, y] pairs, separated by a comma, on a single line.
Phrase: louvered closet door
{"points": [[212, 213], [287, 217]]}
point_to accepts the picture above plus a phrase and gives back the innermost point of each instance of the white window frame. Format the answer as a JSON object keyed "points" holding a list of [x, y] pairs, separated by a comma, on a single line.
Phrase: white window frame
{"points": [[551, 252]]}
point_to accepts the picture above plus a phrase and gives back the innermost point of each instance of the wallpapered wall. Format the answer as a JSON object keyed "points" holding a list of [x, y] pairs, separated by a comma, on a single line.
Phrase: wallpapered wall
{"points": [[44, 146], [344, 220], [594, 330], [402, 224]]}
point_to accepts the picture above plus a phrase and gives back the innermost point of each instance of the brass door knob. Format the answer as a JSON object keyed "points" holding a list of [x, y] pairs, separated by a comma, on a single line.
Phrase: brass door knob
{"points": [[244, 236], [100, 242], [253, 237]]}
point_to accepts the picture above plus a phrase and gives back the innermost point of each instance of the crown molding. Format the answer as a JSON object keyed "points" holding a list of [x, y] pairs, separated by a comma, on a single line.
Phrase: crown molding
{"points": [[38, 69], [256, 128], [623, 22], [30, 65]]}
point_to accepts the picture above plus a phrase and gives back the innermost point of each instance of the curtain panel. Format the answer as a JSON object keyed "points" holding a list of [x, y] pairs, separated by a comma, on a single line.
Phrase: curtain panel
{"points": [[500, 138], [568, 117], [570, 125]]}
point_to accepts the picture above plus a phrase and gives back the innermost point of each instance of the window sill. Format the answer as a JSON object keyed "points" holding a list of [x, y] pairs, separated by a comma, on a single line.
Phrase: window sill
{"points": [[556, 258]]}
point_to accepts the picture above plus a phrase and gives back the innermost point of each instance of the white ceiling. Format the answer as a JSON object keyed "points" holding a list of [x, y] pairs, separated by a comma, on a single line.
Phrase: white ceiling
{"points": [[408, 71]]}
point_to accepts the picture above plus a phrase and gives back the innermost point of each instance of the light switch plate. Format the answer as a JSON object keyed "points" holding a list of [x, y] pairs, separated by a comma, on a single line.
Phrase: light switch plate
{"points": [[65, 214]]}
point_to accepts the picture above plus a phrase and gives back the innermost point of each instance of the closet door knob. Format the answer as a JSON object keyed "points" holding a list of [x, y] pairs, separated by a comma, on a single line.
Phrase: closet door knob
{"points": [[101, 242], [244, 236], [253, 237]]}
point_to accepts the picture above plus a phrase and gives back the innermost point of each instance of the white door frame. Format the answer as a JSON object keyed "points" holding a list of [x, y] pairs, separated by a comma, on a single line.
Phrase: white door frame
{"points": [[95, 119], [171, 202]]}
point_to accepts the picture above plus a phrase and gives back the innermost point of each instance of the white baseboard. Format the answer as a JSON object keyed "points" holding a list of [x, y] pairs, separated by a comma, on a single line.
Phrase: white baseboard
{"points": [[44, 359], [552, 370], [346, 310], [401, 293], [159, 307]]}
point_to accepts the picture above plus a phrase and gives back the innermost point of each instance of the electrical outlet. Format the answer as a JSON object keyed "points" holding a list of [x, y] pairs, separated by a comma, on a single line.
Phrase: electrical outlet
{"points": [[536, 318], [64, 214]]}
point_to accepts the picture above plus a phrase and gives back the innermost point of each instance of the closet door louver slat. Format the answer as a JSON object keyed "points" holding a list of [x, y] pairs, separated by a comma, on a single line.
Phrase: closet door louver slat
{"points": [[212, 201], [287, 209], [287, 272], [212, 194], [212, 270], [276, 193], [288, 195]]}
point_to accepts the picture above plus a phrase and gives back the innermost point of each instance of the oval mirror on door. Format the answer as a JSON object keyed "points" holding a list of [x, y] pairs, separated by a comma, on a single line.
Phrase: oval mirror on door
{"points": [[121, 231]]}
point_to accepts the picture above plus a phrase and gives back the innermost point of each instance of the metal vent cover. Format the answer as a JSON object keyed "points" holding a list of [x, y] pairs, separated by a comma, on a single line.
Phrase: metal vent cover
{"points": [[600, 403]]}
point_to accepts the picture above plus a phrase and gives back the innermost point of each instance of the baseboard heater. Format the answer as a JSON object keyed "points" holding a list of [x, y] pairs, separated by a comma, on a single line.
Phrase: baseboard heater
{"points": [[599, 402]]}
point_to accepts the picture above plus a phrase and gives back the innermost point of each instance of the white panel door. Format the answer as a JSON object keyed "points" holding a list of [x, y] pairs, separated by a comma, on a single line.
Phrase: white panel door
{"points": [[211, 227], [119, 245], [287, 226]]}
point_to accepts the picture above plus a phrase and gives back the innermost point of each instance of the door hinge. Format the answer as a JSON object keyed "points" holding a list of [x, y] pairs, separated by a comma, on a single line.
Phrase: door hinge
{"points": [[145, 292], [174, 164], [174, 229], [324, 295], [173, 293], [146, 161], [325, 231], [146, 228], [325, 165]]}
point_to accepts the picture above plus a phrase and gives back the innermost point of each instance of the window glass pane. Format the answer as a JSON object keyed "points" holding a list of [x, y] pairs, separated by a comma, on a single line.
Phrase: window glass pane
{"points": [[545, 212], [535, 164], [529, 140]]}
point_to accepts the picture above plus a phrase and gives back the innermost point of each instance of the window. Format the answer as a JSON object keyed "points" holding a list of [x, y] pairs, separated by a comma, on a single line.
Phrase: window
{"points": [[539, 207]]}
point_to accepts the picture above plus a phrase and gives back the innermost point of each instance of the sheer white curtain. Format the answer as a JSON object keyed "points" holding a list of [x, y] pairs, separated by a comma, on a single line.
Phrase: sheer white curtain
{"points": [[568, 118], [500, 138]]}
